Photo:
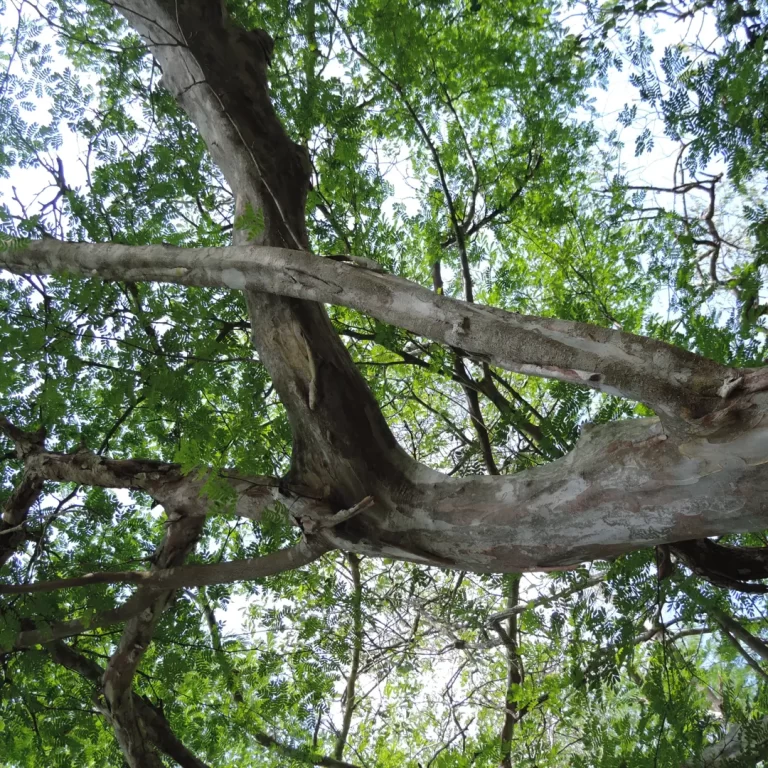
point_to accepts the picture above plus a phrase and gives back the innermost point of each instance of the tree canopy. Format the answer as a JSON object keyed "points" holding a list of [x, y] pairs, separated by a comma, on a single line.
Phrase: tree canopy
{"points": [[383, 383]]}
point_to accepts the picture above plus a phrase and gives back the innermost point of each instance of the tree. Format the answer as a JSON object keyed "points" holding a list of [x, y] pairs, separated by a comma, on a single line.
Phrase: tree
{"points": [[128, 366]]}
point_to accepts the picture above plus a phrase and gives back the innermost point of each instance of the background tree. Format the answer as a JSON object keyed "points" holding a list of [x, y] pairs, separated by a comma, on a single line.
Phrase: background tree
{"points": [[239, 529]]}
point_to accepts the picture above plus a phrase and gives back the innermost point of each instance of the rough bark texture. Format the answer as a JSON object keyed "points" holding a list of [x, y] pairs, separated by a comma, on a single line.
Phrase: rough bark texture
{"points": [[626, 485], [700, 473]]}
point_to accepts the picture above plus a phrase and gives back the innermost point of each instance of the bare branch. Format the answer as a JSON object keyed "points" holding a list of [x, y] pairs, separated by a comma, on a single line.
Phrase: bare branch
{"points": [[303, 553], [677, 383], [357, 645]]}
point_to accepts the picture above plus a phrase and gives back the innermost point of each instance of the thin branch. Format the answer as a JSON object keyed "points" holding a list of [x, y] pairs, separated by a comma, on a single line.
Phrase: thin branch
{"points": [[357, 645], [166, 483], [303, 553], [514, 672], [546, 599], [761, 673]]}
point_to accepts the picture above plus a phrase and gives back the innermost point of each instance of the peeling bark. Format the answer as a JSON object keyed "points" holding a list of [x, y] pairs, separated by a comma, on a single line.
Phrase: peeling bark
{"points": [[626, 485], [701, 472]]}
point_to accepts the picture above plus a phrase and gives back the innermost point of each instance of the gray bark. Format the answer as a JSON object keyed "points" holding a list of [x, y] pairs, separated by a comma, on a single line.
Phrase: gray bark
{"points": [[679, 385], [626, 485]]}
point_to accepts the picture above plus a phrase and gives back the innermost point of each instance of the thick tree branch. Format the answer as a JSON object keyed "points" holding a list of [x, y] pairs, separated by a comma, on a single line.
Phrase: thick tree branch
{"points": [[15, 512], [726, 566], [186, 520], [751, 662], [167, 484], [727, 622], [738, 631], [623, 482], [681, 386], [156, 727], [339, 433]]}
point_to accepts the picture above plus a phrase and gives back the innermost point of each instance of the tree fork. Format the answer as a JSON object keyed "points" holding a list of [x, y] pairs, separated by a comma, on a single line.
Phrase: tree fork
{"points": [[218, 73]]}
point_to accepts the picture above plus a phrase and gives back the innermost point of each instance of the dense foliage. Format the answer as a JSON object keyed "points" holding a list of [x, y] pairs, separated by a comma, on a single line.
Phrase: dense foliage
{"points": [[460, 145]]}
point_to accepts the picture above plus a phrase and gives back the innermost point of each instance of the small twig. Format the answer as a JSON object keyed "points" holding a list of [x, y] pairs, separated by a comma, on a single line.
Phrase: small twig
{"points": [[15, 528], [310, 525]]}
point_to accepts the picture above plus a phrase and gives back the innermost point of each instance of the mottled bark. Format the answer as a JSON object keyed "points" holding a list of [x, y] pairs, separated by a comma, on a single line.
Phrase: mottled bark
{"points": [[701, 470], [681, 386], [218, 73], [626, 485]]}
